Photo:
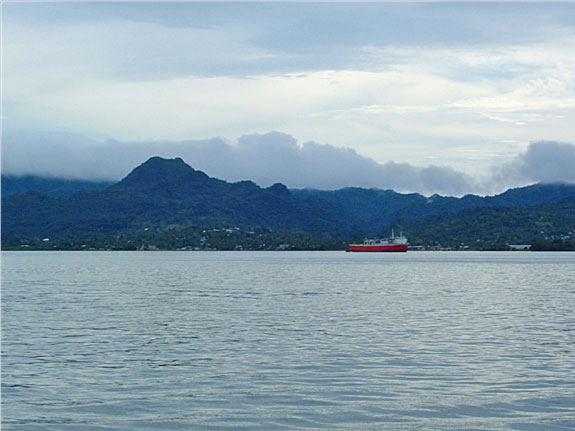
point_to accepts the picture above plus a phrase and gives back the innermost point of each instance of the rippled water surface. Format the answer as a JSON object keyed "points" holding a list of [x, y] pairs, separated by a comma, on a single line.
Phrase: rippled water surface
{"points": [[288, 341]]}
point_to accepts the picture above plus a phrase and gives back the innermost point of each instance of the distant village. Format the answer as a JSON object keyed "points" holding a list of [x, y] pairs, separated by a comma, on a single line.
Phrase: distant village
{"points": [[185, 238]]}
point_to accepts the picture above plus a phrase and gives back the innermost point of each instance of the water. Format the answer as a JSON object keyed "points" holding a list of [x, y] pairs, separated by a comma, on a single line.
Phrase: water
{"points": [[288, 341]]}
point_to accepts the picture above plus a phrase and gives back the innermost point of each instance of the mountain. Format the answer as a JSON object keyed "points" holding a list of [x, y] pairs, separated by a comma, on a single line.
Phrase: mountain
{"points": [[378, 208], [13, 184], [166, 192], [162, 192], [497, 225]]}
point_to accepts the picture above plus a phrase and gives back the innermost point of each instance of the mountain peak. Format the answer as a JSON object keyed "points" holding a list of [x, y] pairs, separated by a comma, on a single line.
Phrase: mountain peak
{"points": [[156, 170], [157, 162], [279, 189]]}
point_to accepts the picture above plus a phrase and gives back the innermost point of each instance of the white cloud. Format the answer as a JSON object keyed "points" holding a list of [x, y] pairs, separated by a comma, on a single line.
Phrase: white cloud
{"points": [[43, 58], [411, 95]]}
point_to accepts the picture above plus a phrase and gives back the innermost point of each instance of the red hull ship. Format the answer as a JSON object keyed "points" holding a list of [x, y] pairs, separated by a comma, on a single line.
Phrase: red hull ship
{"points": [[392, 244]]}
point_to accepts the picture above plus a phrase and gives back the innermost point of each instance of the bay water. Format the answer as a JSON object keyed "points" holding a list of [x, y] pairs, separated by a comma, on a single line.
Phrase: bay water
{"points": [[288, 341]]}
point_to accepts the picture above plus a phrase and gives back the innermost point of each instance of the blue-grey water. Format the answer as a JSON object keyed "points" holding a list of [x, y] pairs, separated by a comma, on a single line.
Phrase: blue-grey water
{"points": [[288, 341]]}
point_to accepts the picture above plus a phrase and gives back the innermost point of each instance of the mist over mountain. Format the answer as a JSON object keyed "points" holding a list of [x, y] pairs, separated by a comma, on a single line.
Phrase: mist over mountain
{"points": [[544, 161], [164, 192], [276, 157], [161, 192], [13, 184]]}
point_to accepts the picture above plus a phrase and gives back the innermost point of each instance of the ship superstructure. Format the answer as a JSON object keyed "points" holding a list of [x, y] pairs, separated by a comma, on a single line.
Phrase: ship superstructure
{"points": [[391, 244]]}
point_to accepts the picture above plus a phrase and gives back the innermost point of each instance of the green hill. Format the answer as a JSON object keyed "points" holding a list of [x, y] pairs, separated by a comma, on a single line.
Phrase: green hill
{"points": [[378, 208], [162, 193], [496, 225]]}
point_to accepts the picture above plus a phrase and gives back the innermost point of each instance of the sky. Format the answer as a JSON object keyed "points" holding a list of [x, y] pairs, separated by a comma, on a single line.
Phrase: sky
{"points": [[448, 98]]}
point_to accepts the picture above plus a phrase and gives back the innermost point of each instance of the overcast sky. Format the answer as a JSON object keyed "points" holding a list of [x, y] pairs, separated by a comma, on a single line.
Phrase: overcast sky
{"points": [[446, 97]]}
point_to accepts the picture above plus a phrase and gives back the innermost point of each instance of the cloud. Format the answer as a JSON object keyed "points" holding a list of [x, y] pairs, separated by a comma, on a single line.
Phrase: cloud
{"points": [[457, 84], [428, 103], [277, 157], [263, 158], [412, 83], [315, 36], [544, 161]]}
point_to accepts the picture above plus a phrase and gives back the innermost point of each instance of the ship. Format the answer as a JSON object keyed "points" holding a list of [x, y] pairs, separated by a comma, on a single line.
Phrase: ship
{"points": [[391, 244]]}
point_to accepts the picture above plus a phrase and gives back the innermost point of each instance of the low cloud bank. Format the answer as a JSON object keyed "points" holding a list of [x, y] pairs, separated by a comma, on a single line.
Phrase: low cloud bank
{"points": [[275, 157], [544, 161]]}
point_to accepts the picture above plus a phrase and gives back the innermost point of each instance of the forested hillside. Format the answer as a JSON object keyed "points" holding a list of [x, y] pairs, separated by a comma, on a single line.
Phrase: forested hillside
{"points": [[162, 194]]}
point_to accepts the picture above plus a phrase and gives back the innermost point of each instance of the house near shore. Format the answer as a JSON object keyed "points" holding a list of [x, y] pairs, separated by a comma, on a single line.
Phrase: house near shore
{"points": [[520, 246]]}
